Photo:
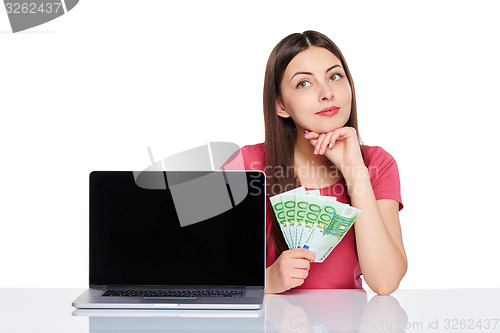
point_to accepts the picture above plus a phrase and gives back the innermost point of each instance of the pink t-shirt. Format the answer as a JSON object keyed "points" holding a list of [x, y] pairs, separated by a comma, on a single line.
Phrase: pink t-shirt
{"points": [[340, 270]]}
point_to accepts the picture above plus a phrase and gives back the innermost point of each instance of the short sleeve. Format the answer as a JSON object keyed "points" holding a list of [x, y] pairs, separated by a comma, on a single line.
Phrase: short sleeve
{"points": [[235, 162], [384, 175], [249, 157]]}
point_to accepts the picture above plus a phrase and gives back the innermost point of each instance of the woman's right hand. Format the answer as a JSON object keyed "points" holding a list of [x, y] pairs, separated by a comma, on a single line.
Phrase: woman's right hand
{"points": [[289, 270]]}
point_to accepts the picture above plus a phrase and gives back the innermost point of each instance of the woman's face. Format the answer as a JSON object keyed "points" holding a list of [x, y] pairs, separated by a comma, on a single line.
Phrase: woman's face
{"points": [[315, 91]]}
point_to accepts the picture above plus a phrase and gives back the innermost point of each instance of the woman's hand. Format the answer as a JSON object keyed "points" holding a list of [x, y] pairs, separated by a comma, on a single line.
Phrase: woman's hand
{"points": [[289, 270], [340, 146]]}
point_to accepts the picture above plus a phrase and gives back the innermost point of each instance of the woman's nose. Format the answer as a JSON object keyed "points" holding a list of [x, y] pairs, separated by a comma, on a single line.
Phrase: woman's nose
{"points": [[326, 92]]}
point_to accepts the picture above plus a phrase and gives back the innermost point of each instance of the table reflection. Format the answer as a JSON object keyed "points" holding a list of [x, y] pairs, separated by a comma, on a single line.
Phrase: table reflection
{"points": [[321, 311], [316, 311], [49, 310]]}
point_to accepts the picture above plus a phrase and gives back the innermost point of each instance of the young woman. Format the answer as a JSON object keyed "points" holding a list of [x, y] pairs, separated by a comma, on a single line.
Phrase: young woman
{"points": [[311, 140]]}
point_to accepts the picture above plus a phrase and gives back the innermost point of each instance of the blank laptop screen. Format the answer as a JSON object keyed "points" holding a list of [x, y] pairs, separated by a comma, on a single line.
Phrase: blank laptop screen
{"points": [[177, 228]]}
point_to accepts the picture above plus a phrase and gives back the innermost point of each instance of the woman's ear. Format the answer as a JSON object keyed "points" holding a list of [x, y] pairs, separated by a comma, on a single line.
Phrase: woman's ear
{"points": [[280, 110]]}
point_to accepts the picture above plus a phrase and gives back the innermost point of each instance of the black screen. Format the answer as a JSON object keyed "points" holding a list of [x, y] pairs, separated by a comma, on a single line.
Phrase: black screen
{"points": [[177, 228]]}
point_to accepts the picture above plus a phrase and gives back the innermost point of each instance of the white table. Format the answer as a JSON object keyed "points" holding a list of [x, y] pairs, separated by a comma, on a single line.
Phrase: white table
{"points": [[319, 311]]}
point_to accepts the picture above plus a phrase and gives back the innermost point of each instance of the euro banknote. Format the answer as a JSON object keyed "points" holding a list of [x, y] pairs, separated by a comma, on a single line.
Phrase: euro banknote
{"points": [[333, 222], [310, 220]]}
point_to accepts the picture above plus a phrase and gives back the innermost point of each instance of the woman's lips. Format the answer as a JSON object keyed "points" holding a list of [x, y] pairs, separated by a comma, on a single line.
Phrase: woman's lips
{"points": [[328, 112]]}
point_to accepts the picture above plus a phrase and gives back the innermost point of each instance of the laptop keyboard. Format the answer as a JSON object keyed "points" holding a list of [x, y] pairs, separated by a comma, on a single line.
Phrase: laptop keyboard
{"points": [[172, 293]]}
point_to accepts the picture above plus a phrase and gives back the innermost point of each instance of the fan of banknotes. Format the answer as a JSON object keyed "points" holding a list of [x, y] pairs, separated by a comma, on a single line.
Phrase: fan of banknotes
{"points": [[312, 221]]}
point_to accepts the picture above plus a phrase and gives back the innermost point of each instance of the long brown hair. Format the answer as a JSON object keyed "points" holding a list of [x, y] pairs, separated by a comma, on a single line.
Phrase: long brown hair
{"points": [[280, 133]]}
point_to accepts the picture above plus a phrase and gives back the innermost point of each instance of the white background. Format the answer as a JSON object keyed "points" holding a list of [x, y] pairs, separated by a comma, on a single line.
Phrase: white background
{"points": [[94, 88]]}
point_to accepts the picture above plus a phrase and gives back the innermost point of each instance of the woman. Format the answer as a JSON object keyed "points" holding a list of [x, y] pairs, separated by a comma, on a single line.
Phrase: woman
{"points": [[311, 140]]}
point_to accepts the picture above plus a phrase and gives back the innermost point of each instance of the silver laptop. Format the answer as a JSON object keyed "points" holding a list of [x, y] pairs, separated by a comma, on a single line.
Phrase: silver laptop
{"points": [[176, 240]]}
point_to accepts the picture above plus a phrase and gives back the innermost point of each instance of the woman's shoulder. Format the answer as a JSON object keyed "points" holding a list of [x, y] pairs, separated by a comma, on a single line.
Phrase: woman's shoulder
{"points": [[254, 156], [256, 149], [249, 157], [379, 163], [376, 155], [384, 174], [383, 171]]}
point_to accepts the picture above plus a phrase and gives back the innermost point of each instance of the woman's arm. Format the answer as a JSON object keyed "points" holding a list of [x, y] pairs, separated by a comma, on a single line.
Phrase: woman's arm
{"points": [[379, 242], [378, 233]]}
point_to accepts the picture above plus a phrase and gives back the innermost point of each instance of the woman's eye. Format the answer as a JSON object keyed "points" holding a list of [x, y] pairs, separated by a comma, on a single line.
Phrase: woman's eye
{"points": [[335, 77], [303, 84]]}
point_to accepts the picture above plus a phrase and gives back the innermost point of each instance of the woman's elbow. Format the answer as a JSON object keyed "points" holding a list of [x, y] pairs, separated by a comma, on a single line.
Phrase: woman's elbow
{"points": [[386, 285], [385, 289]]}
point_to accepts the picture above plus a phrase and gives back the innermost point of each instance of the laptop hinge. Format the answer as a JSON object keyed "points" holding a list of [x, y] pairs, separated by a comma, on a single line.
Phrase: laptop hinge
{"points": [[105, 287]]}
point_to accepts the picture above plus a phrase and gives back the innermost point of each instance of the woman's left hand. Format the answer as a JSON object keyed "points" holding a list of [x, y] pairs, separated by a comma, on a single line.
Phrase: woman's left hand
{"points": [[340, 146]]}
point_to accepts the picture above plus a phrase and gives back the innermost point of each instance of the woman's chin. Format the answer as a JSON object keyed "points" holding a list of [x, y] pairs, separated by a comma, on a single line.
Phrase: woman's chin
{"points": [[320, 127], [324, 129]]}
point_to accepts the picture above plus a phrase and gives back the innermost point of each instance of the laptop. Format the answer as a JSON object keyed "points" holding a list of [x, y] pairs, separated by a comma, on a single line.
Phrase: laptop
{"points": [[176, 240]]}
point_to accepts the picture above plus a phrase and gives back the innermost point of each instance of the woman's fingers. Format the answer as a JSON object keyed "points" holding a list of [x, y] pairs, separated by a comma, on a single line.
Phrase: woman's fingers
{"points": [[302, 263], [319, 144], [302, 253], [289, 270], [311, 135], [326, 143], [320, 141], [299, 273]]}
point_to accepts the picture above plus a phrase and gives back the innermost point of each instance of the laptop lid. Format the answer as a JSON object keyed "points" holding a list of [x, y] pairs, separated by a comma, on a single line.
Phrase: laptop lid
{"points": [[177, 228]]}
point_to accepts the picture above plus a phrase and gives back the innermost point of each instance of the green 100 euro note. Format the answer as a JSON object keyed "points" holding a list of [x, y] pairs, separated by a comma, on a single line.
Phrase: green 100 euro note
{"points": [[290, 212], [284, 209], [312, 221], [302, 202], [333, 222], [288, 200]]}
